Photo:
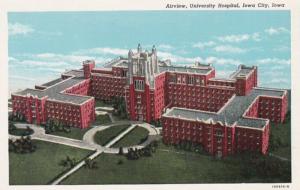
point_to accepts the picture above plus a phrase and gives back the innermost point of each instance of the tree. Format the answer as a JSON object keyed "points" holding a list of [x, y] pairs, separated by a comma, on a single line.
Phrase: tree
{"points": [[94, 165], [11, 147], [10, 117], [63, 163], [22, 145], [121, 152], [120, 162], [119, 106], [11, 127]]}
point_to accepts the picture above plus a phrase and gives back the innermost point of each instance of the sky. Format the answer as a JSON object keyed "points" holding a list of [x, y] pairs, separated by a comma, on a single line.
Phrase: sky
{"points": [[44, 44]]}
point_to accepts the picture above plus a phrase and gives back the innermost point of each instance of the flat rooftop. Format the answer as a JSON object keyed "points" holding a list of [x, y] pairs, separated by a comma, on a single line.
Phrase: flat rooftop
{"points": [[117, 62], [50, 83], [55, 87], [185, 69], [231, 112], [243, 71]]}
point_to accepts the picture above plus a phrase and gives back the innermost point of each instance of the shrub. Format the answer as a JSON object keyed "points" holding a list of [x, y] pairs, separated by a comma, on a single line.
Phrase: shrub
{"points": [[120, 162], [22, 145], [121, 152]]}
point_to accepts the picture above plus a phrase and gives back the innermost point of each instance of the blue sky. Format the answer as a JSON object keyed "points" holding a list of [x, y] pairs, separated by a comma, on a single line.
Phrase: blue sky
{"points": [[41, 45]]}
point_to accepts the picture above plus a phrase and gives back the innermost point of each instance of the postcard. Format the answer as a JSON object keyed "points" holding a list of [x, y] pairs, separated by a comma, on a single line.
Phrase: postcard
{"points": [[160, 95]]}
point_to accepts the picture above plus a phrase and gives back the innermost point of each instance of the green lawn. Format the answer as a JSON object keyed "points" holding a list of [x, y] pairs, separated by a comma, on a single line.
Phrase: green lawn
{"points": [[76, 133], [103, 137], [42, 166], [102, 119], [100, 103], [170, 165], [282, 133], [167, 165], [134, 137]]}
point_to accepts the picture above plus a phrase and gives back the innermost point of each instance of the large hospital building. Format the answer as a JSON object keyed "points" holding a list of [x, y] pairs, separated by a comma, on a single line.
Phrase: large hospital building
{"points": [[224, 115]]}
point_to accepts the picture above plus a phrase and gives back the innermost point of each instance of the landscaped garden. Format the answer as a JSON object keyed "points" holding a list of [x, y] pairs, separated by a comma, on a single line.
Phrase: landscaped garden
{"points": [[103, 137], [134, 137], [170, 165], [75, 133], [13, 130], [41, 166], [166, 164], [119, 105], [102, 119], [280, 138], [101, 103]]}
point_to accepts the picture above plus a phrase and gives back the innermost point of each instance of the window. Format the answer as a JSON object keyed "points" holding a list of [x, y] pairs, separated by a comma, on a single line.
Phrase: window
{"points": [[139, 85], [124, 73], [202, 82], [173, 78], [191, 80], [197, 81], [179, 79], [183, 79]]}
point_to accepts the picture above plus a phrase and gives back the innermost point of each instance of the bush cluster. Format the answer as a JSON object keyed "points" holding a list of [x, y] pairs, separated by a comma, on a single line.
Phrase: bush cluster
{"points": [[147, 151], [55, 125], [23, 145]]}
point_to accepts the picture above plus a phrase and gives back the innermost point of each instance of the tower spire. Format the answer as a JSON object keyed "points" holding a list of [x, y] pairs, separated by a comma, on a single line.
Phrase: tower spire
{"points": [[139, 48]]}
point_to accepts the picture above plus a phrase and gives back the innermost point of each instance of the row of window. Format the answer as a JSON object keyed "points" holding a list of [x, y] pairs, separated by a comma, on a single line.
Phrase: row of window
{"points": [[200, 90], [230, 84], [186, 80], [61, 109], [203, 100], [139, 85]]}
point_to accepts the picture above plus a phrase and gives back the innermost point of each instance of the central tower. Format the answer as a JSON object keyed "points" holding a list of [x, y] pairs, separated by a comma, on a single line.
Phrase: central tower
{"points": [[142, 68]]}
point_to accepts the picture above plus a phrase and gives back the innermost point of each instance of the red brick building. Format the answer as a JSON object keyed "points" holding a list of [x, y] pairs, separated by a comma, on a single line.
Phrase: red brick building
{"points": [[223, 115], [64, 99]]}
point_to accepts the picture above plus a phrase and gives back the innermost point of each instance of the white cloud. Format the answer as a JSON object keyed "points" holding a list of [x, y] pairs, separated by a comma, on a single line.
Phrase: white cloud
{"points": [[14, 77], [213, 60], [274, 61], [236, 38], [17, 28], [164, 46], [177, 58], [61, 57], [229, 49], [37, 63], [222, 61], [274, 31], [104, 51], [281, 49], [276, 82], [203, 45], [256, 36]]}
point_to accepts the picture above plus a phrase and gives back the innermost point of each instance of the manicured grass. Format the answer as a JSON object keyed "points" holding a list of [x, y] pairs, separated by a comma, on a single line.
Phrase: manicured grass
{"points": [[103, 137], [102, 119], [283, 133], [284, 152], [76, 133], [40, 167], [134, 137], [100, 103], [167, 165]]}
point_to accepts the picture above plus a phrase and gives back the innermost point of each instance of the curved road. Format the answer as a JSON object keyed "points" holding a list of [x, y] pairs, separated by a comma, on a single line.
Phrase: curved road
{"points": [[88, 140]]}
